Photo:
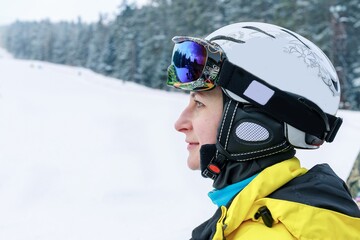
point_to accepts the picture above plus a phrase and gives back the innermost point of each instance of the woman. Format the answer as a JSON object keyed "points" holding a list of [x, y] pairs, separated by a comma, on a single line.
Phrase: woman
{"points": [[261, 92]]}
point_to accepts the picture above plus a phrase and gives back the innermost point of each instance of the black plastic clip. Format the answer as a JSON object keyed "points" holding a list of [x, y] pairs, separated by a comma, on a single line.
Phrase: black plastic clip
{"points": [[215, 166], [334, 129], [265, 214]]}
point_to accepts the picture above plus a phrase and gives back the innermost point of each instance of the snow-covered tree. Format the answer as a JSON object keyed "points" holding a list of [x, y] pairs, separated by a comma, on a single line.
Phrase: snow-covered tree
{"points": [[136, 45]]}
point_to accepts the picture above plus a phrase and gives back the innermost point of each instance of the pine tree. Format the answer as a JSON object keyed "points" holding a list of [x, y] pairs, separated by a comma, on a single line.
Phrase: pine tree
{"points": [[97, 42], [125, 40], [351, 21]]}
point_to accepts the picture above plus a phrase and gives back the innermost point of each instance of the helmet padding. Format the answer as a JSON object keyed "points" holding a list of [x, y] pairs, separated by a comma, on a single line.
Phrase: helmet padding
{"points": [[247, 132]]}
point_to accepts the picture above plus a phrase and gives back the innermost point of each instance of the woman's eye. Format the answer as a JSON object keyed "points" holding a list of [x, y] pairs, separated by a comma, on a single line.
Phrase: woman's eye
{"points": [[198, 104]]}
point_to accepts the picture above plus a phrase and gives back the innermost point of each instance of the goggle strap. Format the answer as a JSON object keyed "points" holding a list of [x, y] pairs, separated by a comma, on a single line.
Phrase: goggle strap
{"points": [[294, 110]]}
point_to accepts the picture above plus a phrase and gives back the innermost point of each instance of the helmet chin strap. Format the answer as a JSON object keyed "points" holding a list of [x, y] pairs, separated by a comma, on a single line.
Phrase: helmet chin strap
{"points": [[211, 164]]}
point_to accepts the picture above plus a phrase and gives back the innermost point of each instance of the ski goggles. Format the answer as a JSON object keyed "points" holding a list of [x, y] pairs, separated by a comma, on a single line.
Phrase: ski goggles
{"points": [[195, 64]]}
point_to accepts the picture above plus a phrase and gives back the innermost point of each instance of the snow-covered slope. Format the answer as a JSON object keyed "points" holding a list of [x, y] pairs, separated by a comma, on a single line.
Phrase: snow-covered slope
{"points": [[83, 156]]}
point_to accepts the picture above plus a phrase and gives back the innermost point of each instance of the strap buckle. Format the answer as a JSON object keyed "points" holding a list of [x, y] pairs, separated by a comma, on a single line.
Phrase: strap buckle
{"points": [[215, 167]]}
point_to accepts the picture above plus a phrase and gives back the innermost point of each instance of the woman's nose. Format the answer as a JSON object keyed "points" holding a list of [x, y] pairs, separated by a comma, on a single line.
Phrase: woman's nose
{"points": [[183, 124]]}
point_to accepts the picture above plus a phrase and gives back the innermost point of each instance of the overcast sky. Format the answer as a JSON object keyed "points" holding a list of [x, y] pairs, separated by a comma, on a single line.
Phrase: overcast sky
{"points": [[56, 10]]}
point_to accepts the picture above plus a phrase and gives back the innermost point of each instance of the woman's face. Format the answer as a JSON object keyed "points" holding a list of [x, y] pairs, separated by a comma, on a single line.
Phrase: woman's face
{"points": [[199, 122]]}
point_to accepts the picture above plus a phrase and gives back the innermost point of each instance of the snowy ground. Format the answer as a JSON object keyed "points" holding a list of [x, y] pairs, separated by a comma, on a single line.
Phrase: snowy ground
{"points": [[83, 156]]}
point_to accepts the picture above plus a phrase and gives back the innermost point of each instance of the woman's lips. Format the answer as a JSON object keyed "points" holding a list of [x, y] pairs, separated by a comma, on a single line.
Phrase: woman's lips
{"points": [[192, 145]]}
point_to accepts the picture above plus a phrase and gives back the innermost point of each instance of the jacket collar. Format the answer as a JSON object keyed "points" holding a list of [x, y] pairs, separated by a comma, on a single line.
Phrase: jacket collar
{"points": [[265, 183]]}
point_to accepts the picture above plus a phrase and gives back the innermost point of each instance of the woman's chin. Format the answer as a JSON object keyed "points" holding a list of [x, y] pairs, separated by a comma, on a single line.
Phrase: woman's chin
{"points": [[193, 163]]}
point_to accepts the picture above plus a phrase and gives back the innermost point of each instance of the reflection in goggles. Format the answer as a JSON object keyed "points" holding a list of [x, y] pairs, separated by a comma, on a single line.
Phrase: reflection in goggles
{"points": [[189, 59]]}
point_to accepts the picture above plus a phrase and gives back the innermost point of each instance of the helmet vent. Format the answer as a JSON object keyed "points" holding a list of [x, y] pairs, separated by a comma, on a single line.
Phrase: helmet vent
{"points": [[251, 132], [335, 85], [259, 30], [284, 30], [222, 37]]}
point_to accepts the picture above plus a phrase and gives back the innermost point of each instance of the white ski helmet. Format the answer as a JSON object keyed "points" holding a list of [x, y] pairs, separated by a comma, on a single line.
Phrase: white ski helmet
{"points": [[289, 67]]}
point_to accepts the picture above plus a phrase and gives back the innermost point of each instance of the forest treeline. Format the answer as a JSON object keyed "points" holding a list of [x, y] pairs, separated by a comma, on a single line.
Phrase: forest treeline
{"points": [[135, 45]]}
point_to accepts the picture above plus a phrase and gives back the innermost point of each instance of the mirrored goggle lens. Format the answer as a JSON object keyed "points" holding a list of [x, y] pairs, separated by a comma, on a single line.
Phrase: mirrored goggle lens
{"points": [[189, 59]]}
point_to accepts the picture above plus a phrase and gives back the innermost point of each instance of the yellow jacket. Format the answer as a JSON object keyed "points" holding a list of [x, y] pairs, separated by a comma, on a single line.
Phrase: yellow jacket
{"points": [[291, 220]]}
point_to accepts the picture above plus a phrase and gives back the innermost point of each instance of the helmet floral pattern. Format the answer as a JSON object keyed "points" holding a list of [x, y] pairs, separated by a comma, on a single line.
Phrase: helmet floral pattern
{"points": [[311, 59]]}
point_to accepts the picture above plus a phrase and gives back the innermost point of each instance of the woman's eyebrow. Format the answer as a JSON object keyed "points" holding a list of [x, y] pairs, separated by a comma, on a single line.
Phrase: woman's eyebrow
{"points": [[193, 94]]}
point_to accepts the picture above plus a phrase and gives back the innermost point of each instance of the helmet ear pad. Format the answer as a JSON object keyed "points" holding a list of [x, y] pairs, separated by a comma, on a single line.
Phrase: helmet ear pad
{"points": [[252, 134]]}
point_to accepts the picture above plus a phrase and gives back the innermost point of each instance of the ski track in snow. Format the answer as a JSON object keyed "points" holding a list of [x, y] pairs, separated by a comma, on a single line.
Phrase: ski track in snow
{"points": [[83, 156]]}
